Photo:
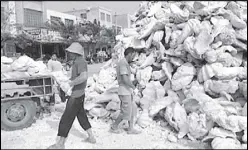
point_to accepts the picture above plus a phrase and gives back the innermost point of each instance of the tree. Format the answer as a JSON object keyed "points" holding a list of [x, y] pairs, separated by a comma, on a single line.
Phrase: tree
{"points": [[109, 34], [21, 40], [5, 32], [66, 31], [94, 30]]}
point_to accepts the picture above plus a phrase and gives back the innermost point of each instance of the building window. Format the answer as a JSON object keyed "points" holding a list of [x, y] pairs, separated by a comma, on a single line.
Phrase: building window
{"points": [[32, 18], [2, 15], [119, 29], [84, 16], [53, 18], [69, 22], [108, 18], [102, 16]]}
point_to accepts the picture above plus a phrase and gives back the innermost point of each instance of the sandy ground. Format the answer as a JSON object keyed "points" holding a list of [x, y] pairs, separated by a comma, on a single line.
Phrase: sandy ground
{"points": [[43, 133]]}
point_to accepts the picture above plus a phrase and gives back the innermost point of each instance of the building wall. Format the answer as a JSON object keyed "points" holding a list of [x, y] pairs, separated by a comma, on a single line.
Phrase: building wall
{"points": [[77, 13], [19, 12], [119, 28], [63, 16], [36, 5], [94, 13], [106, 12], [33, 5], [4, 4], [123, 20]]}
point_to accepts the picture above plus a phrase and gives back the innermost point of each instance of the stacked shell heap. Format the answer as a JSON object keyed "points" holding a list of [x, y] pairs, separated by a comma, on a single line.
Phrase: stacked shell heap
{"points": [[190, 70]]}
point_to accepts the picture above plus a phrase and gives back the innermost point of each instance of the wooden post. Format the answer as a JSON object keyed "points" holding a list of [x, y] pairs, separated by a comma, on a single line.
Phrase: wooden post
{"points": [[41, 51], [64, 46]]}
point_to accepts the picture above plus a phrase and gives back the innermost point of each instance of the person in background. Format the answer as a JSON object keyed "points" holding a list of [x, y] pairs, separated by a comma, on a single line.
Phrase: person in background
{"points": [[88, 58], [75, 104], [99, 56], [53, 64], [104, 56], [112, 62], [45, 59], [125, 92], [94, 58], [108, 52]]}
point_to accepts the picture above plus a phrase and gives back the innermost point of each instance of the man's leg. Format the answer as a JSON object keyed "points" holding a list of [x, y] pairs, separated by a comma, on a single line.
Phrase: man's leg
{"points": [[125, 113], [117, 121], [131, 129], [84, 122], [66, 122]]}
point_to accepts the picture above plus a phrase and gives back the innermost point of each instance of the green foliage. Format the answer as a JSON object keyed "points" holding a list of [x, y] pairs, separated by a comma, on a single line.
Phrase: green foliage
{"points": [[5, 32], [66, 31], [5, 23], [23, 41], [70, 33], [107, 36]]}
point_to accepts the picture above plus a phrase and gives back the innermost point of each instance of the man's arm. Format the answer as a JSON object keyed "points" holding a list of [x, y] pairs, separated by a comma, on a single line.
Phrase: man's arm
{"points": [[127, 81], [124, 74], [80, 79]]}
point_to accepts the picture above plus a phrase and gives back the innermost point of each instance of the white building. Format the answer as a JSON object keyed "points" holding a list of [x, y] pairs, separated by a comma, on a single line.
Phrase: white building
{"points": [[100, 14], [67, 19], [30, 14], [123, 20]]}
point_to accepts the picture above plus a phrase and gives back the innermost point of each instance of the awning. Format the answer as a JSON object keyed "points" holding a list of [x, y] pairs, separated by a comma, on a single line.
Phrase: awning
{"points": [[44, 36]]}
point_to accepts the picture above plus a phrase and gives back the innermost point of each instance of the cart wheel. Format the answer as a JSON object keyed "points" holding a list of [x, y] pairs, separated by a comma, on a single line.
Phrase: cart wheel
{"points": [[17, 114]]}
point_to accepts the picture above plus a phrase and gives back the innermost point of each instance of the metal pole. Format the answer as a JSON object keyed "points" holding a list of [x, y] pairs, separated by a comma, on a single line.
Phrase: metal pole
{"points": [[115, 23]]}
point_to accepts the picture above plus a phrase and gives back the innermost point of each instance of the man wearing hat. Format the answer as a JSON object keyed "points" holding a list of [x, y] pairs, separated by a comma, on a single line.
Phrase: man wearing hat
{"points": [[75, 104]]}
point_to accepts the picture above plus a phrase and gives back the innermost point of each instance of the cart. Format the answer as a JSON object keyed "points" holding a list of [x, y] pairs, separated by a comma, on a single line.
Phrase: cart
{"points": [[23, 99]]}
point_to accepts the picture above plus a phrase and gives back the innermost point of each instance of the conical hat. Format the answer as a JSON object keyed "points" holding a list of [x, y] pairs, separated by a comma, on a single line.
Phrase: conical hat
{"points": [[77, 48]]}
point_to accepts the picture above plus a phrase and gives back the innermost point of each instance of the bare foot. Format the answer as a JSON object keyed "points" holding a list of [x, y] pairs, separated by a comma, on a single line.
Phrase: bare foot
{"points": [[91, 140], [133, 131], [56, 146], [117, 131]]}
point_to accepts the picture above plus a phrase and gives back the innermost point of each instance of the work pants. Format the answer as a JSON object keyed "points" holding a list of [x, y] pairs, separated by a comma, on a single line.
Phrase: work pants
{"points": [[74, 108]]}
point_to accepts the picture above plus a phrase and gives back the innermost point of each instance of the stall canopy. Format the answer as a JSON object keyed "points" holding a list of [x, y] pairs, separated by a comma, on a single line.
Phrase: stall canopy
{"points": [[44, 36]]}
